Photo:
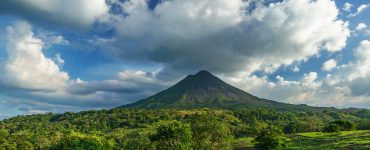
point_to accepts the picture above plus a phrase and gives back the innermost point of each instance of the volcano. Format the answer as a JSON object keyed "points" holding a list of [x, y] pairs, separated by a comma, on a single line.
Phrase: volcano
{"points": [[206, 90]]}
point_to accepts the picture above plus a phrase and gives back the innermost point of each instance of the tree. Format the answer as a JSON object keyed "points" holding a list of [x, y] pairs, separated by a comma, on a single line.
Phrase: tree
{"points": [[80, 141], [314, 123], [344, 125], [173, 136], [290, 128], [137, 141], [210, 133], [331, 128], [3, 135], [270, 138]]}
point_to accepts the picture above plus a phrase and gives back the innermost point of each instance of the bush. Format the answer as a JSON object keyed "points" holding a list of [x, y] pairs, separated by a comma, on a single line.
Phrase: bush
{"points": [[174, 136], [270, 138], [344, 125], [331, 128], [339, 125]]}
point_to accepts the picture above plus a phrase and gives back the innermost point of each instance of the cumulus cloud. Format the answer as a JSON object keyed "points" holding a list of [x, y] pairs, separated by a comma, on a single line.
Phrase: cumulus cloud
{"points": [[362, 55], [362, 28], [26, 66], [29, 76], [346, 86], [296, 92], [227, 36], [72, 13], [329, 65]]}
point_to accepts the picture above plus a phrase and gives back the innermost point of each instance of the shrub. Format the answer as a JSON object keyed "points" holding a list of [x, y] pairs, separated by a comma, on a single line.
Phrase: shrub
{"points": [[270, 138]]}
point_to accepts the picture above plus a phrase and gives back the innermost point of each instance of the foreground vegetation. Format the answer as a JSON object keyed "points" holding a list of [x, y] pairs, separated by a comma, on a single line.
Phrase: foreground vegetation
{"points": [[339, 140], [188, 129], [343, 140]]}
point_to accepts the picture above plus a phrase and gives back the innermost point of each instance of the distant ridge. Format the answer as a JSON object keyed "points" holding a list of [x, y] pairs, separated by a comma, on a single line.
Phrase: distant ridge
{"points": [[206, 90]]}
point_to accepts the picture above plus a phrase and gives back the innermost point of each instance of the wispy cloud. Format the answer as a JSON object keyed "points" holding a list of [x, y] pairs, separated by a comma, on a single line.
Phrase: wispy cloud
{"points": [[360, 9]]}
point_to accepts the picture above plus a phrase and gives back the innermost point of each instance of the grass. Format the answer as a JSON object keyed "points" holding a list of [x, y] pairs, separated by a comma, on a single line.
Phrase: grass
{"points": [[345, 140]]}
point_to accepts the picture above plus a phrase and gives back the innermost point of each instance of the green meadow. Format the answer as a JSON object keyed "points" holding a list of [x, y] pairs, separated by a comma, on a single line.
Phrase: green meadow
{"points": [[344, 140]]}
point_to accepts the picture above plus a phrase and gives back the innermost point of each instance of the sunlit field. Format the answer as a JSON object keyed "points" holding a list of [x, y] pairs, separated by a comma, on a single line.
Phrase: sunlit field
{"points": [[358, 140]]}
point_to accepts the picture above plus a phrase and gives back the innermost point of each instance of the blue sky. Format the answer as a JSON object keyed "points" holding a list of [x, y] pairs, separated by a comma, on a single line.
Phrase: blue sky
{"points": [[63, 55]]}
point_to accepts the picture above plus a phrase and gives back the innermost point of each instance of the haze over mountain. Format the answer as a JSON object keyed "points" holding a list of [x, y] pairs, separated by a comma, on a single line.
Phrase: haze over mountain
{"points": [[206, 90]]}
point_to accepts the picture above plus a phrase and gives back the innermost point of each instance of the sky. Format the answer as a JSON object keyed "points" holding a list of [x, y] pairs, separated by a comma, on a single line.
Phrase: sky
{"points": [[74, 55]]}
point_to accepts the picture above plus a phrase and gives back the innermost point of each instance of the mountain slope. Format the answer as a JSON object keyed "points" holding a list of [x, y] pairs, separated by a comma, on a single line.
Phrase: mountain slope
{"points": [[205, 90]]}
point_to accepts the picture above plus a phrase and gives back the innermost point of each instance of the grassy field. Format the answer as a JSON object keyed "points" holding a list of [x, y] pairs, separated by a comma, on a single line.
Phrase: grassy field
{"points": [[346, 140]]}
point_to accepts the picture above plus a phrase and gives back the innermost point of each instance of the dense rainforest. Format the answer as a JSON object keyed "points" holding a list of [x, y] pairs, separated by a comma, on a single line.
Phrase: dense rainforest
{"points": [[202, 128]]}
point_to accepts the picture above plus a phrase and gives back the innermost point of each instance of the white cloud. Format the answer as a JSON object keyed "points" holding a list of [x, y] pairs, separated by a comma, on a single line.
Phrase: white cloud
{"points": [[50, 38], [360, 9], [221, 36], [126, 82], [361, 26], [26, 66], [128, 86], [73, 13], [295, 68], [297, 92], [329, 65], [27, 72], [58, 59], [362, 55], [347, 86], [347, 7], [136, 75]]}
